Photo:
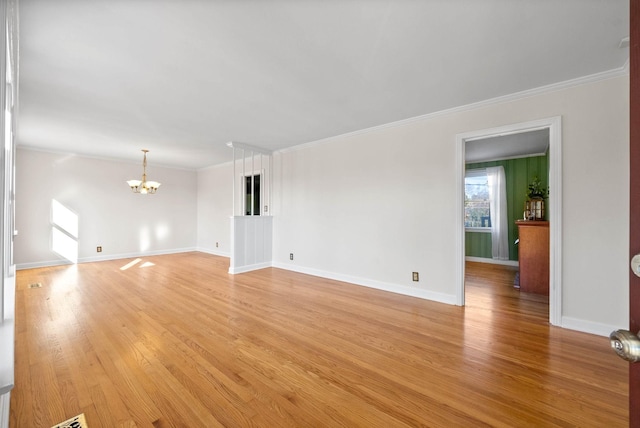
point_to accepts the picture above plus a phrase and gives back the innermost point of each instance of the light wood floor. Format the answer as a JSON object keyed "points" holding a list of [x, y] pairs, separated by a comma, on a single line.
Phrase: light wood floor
{"points": [[178, 342]]}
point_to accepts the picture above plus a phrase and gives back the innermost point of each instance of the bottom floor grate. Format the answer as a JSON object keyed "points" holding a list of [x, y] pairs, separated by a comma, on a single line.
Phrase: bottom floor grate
{"points": [[75, 422]]}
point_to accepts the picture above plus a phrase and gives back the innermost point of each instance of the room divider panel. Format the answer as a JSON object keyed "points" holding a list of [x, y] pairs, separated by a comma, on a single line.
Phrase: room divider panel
{"points": [[251, 221]]}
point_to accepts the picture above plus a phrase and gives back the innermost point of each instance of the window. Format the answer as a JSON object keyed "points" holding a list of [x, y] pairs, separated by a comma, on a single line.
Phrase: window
{"points": [[252, 196], [476, 200]]}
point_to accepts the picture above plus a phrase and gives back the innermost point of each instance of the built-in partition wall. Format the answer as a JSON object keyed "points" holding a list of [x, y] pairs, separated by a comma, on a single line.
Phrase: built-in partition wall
{"points": [[251, 221]]}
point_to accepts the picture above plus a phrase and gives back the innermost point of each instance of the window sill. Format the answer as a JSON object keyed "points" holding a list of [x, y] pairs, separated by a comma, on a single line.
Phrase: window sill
{"points": [[478, 229]]}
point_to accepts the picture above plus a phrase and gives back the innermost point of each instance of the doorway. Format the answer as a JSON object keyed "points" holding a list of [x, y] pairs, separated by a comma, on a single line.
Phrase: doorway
{"points": [[553, 125]]}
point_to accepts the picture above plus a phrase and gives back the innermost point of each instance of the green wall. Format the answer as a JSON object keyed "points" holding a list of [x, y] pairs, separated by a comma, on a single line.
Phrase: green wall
{"points": [[519, 173]]}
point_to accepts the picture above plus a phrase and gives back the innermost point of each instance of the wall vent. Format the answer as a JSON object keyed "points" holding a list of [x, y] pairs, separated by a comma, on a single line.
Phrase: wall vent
{"points": [[75, 422]]}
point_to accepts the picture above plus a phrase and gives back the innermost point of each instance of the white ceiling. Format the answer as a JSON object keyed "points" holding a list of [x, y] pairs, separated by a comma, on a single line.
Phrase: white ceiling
{"points": [[108, 78], [522, 144]]}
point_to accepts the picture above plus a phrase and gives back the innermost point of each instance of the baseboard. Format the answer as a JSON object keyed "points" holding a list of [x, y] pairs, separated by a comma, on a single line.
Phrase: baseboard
{"points": [[378, 285], [492, 261], [4, 410], [588, 326], [102, 258], [7, 363], [35, 265], [249, 268], [132, 255], [215, 252]]}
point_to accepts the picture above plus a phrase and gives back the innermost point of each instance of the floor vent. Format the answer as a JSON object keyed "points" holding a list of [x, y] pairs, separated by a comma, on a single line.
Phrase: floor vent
{"points": [[75, 422], [35, 285]]}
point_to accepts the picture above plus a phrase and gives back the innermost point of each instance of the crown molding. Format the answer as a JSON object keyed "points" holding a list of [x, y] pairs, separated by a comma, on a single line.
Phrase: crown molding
{"points": [[96, 157], [249, 148], [554, 87]]}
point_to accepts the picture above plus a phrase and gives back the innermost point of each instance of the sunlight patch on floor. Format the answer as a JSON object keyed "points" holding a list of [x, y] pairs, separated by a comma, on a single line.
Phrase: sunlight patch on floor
{"points": [[135, 262], [131, 264]]}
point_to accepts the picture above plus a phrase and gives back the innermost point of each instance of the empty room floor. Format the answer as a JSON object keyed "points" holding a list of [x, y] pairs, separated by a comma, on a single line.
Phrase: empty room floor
{"points": [[175, 341]]}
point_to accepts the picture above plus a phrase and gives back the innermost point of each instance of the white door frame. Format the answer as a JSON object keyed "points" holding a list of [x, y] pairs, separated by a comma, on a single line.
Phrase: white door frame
{"points": [[554, 124]]}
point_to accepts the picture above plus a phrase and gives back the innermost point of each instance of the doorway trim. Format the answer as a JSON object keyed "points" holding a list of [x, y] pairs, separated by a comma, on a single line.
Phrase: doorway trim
{"points": [[554, 124]]}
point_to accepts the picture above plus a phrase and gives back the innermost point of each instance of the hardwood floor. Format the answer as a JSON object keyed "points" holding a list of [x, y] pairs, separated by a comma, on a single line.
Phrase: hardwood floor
{"points": [[174, 341]]}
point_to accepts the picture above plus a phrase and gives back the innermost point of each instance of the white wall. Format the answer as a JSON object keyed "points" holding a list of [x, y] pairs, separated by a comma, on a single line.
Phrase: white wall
{"points": [[374, 206], [109, 214], [215, 200], [215, 209], [370, 207]]}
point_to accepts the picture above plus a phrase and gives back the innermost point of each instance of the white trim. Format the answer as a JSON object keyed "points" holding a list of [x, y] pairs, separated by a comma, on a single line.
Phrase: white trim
{"points": [[530, 155], [567, 84], [7, 369], [35, 265], [459, 233], [4, 410], [589, 326], [492, 261], [477, 229], [214, 252], [378, 285], [250, 148], [60, 262], [105, 158], [7, 344], [554, 124], [249, 268], [555, 221], [140, 254]]}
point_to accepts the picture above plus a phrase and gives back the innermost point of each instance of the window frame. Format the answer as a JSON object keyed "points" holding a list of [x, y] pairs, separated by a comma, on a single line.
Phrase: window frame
{"points": [[260, 191], [475, 172]]}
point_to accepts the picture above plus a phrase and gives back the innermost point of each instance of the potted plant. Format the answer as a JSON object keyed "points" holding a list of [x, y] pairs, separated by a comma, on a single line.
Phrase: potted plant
{"points": [[536, 191]]}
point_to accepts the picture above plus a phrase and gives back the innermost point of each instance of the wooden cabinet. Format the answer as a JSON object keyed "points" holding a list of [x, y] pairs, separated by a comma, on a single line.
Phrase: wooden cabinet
{"points": [[533, 256]]}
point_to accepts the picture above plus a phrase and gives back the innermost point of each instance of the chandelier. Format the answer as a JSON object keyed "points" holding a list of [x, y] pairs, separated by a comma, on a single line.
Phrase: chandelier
{"points": [[143, 186]]}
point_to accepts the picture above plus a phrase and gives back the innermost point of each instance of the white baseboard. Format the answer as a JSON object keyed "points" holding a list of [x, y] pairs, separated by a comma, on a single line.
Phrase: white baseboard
{"points": [[102, 258], [132, 255], [249, 268], [4, 410], [589, 326], [384, 286], [49, 263], [492, 261], [213, 252]]}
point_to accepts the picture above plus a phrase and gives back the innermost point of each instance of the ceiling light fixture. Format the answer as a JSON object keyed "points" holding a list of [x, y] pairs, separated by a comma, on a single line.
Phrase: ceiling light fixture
{"points": [[143, 186]]}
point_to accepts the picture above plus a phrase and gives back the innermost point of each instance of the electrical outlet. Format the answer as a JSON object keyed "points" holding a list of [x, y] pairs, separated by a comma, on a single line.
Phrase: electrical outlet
{"points": [[415, 276], [99, 249], [290, 256], [216, 245]]}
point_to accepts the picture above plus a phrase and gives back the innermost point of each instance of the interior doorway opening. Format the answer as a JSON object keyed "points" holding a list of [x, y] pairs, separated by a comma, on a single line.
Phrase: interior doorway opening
{"points": [[553, 127]]}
